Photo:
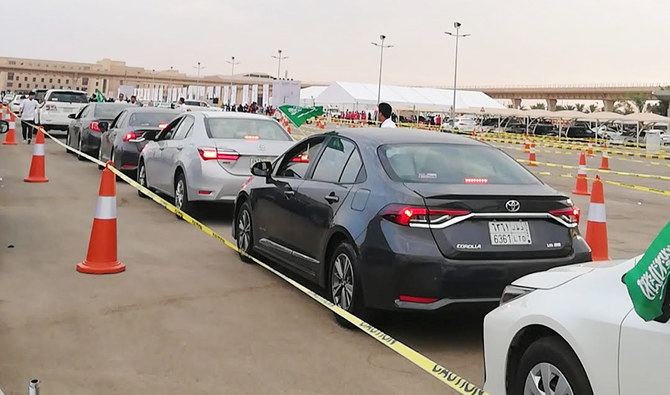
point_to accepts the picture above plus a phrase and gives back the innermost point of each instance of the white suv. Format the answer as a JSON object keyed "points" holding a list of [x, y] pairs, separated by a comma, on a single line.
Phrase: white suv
{"points": [[58, 104]]}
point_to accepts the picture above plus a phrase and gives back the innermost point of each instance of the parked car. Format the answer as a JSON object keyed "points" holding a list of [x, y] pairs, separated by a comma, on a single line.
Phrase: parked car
{"points": [[199, 105], [84, 130], [462, 123], [16, 103], [121, 140], [58, 105], [628, 137], [7, 99], [405, 221], [207, 156], [573, 330], [578, 131]]}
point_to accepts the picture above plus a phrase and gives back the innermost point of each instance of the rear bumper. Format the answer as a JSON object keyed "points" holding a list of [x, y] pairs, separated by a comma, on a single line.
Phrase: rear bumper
{"points": [[411, 264], [128, 156], [210, 182], [54, 120]]}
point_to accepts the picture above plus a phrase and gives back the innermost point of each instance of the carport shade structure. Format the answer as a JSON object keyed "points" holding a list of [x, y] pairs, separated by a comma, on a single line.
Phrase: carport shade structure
{"points": [[644, 117]]}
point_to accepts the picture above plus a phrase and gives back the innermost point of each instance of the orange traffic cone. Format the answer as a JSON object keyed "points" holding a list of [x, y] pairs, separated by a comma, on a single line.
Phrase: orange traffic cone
{"points": [[101, 257], [526, 146], [590, 149], [596, 227], [582, 187], [531, 155], [605, 161], [36, 173], [288, 129], [10, 139]]}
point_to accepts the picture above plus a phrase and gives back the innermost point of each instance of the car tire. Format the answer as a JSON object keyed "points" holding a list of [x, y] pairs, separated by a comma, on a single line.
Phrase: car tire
{"points": [[80, 149], [554, 354], [181, 195], [67, 142], [344, 285], [245, 232], [142, 179]]}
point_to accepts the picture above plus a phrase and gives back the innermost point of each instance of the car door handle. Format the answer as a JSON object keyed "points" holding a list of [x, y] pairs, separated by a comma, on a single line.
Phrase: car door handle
{"points": [[289, 193], [332, 198]]}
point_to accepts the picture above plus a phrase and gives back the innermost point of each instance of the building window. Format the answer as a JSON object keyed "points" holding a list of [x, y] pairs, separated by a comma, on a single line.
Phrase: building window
{"points": [[17, 78], [19, 84], [25, 79], [97, 84], [67, 81], [53, 86], [42, 80], [34, 79], [10, 84], [51, 80], [10, 75], [45, 86], [84, 81], [12, 62], [59, 82], [61, 87]]}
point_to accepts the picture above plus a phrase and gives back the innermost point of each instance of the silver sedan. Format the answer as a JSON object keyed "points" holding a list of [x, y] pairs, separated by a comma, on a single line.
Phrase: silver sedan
{"points": [[207, 156]]}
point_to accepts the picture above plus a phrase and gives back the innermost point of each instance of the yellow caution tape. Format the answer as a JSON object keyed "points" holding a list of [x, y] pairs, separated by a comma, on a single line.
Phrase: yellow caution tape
{"points": [[618, 173], [439, 372], [615, 183]]}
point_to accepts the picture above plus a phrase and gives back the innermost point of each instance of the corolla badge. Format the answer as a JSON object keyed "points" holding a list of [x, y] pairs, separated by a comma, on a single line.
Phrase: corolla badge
{"points": [[512, 206]]}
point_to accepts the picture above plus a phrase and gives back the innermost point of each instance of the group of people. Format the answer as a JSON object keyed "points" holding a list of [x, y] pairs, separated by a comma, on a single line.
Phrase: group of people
{"points": [[386, 116]]}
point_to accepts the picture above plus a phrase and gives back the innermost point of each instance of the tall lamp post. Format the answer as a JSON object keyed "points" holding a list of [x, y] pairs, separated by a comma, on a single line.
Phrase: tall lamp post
{"points": [[232, 63], [457, 26], [279, 59], [381, 63]]}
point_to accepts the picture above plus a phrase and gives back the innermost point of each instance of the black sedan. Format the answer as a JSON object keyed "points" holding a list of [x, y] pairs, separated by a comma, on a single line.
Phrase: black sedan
{"points": [[121, 140], [415, 220], [84, 130]]}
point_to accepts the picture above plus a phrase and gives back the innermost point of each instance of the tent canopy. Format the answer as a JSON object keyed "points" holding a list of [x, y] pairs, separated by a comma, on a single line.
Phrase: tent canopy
{"points": [[308, 95], [364, 97], [646, 117]]}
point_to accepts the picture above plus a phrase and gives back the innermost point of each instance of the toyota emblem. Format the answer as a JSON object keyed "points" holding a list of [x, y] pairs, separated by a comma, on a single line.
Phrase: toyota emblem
{"points": [[261, 147], [512, 206]]}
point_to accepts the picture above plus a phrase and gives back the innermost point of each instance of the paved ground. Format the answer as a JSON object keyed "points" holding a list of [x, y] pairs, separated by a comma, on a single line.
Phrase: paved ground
{"points": [[188, 317]]}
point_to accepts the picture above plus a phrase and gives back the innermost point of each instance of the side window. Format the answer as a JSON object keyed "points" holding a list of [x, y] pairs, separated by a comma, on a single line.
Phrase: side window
{"points": [[332, 163], [116, 121], [296, 162], [183, 129], [352, 169], [83, 113], [166, 134]]}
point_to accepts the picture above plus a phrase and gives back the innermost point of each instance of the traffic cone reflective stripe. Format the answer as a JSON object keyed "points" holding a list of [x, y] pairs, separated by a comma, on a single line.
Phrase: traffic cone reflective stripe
{"points": [[526, 146], [582, 186], [102, 252], [37, 173], [531, 156], [605, 163], [10, 139], [590, 150], [596, 227]]}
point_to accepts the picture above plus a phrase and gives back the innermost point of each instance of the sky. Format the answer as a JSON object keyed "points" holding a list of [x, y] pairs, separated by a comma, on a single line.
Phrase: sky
{"points": [[512, 42]]}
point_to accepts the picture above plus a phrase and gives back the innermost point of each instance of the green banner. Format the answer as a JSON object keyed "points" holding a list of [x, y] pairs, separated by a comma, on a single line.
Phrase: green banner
{"points": [[648, 280], [298, 115], [99, 96]]}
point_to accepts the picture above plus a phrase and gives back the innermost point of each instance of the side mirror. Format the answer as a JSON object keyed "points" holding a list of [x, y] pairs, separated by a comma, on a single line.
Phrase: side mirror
{"points": [[104, 126], [4, 127], [72, 116], [261, 169]]}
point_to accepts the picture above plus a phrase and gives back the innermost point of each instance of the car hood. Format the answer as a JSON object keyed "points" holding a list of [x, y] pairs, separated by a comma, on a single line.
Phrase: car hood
{"points": [[558, 276]]}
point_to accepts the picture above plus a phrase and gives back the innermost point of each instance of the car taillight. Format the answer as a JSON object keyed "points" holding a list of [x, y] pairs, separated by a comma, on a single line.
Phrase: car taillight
{"points": [[403, 215], [130, 136], [162, 125], [218, 154], [94, 126], [304, 158], [251, 137], [570, 214], [471, 180]]}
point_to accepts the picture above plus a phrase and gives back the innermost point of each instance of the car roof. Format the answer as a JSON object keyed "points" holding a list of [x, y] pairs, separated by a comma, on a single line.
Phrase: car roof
{"points": [[379, 136], [236, 115], [135, 109], [66, 91]]}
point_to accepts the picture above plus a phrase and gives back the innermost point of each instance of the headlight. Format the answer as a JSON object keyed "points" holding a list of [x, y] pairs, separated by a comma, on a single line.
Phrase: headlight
{"points": [[512, 292]]}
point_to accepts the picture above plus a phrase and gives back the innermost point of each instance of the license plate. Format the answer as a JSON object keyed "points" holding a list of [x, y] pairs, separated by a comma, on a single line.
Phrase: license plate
{"points": [[504, 233]]}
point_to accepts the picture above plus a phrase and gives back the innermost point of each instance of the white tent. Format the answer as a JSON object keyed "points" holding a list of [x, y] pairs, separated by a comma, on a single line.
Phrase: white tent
{"points": [[308, 95], [358, 97]]}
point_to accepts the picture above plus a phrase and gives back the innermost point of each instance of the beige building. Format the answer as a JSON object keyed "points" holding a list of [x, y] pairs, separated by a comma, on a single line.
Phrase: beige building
{"points": [[23, 75]]}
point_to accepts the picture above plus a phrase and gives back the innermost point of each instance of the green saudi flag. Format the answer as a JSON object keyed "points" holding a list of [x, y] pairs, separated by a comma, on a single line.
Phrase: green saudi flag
{"points": [[99, 96], [298, 115], [648, 280]]}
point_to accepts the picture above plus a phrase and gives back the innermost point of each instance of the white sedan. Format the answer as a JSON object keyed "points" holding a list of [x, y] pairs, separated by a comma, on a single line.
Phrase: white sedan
{"points": [[573, 331]]}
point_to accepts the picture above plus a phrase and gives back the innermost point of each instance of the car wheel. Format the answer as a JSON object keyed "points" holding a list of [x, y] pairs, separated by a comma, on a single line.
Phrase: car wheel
{"points": [[181, 195], [142, 179], [344, 284], [549, 366], [79, 147], [245, 239]]}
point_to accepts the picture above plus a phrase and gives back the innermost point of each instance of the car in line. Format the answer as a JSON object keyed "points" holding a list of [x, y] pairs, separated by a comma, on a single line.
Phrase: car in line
{"points": [[199, 105], [15, 104], [122, 139], [573, 330], [207, 156], [54, 114], [7, 99], [408, 220], [462, 123], [84, 130]]}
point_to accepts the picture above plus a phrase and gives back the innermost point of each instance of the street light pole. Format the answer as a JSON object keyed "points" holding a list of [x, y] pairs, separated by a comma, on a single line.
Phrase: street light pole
{"points": [[381, 63], [457, 26], [279, 58], [232, 62]]}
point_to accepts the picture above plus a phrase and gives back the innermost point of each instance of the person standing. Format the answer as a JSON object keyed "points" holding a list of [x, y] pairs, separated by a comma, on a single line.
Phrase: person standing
{"points": [[27, 114], [180, 105], [385, 111]]}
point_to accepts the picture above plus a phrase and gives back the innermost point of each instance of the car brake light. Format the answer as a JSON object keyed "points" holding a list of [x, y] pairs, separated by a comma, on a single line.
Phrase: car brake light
{"points": [[217, 154], [251, 137], [130, 136], [94, 126], [403, 215], [570, 214], [304, 158], [416, 299], [162, 125], [471, 180]]}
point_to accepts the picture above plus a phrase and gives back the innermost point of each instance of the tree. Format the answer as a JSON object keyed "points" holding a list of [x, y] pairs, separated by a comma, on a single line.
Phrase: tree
{"points": [[580, 107], [660, 108], [538, 106], [593, 108], [565, 107], [639, 101]]}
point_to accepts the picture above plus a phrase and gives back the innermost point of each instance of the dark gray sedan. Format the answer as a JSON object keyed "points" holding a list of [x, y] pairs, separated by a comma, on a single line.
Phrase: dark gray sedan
{"points": [[122, 144], [84, 130]]}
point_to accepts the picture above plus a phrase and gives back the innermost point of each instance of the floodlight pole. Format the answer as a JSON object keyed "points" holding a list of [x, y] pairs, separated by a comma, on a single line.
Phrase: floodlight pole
{"points": [[381, 63], [457, 26]]}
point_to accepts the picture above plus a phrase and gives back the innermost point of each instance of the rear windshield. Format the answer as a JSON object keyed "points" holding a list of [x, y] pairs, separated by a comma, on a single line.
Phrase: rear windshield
{"points": [[245, 129], [108, 111], [452, 164], [153, 119], [68, 97]]}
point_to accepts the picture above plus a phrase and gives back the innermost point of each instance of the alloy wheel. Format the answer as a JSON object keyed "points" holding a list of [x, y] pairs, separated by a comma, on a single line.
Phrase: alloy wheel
{"points": [[342, 282], [244, 231], [545, 378], [179, 194], [142, 176]]}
